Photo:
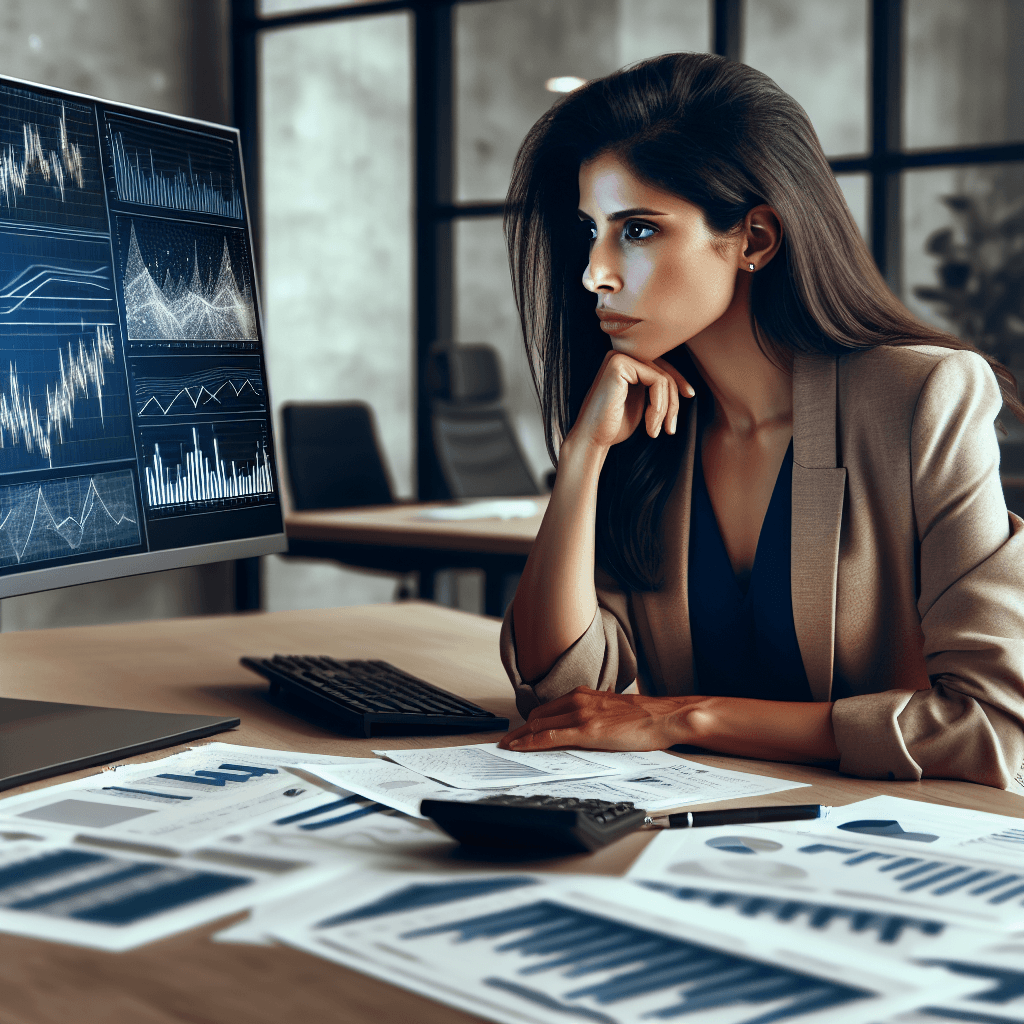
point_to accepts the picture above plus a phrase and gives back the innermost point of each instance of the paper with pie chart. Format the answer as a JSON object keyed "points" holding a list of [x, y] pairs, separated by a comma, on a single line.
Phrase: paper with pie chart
{"points": [[842, 868]]}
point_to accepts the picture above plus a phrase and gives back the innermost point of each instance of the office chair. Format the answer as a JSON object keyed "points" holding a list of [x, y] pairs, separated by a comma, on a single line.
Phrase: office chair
{"points": [[333, 461], [477, 448]]}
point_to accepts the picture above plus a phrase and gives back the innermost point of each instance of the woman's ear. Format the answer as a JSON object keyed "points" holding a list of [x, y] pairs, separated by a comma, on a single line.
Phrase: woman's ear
{"points": [[762, 236]]}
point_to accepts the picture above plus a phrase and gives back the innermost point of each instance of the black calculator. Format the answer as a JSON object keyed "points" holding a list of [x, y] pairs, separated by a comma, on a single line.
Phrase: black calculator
{"points": [[540, 824]]}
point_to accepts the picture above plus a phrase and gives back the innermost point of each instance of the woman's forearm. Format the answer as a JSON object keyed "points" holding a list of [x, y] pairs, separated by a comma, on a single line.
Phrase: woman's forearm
{"points": [[556, 600], [772, 730]]}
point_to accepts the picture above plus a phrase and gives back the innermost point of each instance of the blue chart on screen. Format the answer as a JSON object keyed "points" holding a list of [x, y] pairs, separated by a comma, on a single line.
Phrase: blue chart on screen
{"points": [[743, 844], [174, 386], [175, 169], [551, 955], [79, 886], [185, 281], [49, 162], [73, 516], [212, 465], [63, 392]]}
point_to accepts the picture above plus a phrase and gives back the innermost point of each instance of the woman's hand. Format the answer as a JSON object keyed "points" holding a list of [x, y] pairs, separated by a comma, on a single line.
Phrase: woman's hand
{"points": [[615, 402], [600, 720], [774, 730]]}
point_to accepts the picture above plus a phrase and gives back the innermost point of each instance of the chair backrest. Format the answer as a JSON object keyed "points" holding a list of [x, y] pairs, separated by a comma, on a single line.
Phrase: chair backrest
{"points": [[332, 456], [476, 446], [480, 455]]}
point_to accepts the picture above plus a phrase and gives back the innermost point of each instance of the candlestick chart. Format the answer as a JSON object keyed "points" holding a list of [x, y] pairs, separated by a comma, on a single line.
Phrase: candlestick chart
{"points": [[73, 515], [185, 282], [174, 169], [63, 390], [49, 162]]}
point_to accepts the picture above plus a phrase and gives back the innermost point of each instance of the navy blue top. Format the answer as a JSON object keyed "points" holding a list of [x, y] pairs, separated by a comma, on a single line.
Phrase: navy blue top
{"points": [[744, 641]]}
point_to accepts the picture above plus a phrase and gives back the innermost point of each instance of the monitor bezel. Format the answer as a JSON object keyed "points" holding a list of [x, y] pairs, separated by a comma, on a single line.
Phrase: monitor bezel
{"points": [[33, 581]]}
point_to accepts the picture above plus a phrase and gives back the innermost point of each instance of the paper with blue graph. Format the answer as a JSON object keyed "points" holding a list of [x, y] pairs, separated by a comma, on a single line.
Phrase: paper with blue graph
{"points": [[181, 801], [846, 869], [525, 949], [117, 900]]}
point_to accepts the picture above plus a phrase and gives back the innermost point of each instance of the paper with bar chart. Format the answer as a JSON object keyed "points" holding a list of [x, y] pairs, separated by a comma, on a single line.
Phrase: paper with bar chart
{"points": [[529, 950], [974, 893], [117, 900], [184, 800]]}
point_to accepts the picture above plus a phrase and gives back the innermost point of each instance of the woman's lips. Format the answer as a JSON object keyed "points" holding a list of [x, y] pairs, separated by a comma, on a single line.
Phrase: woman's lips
{"points": [[615, 323]]}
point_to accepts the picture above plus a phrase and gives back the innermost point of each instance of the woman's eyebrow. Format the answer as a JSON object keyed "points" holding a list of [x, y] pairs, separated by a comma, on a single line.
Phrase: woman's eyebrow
{"points": [[636, 211]]}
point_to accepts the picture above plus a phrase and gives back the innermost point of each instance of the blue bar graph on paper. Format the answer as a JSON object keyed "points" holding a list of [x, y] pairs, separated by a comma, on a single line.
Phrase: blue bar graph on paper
{"points": [[115, 891], [887, 928], [577, 962], [932, 876]]}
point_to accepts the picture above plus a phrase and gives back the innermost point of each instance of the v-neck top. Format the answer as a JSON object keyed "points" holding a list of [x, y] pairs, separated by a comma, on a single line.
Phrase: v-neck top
{"points": [[744, 642]]}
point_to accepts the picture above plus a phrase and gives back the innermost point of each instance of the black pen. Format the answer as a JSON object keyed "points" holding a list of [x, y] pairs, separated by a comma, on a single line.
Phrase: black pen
{"points": [[737, 816]]}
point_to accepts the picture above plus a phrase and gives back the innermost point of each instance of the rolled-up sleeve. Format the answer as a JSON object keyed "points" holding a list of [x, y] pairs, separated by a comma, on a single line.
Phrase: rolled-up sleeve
{"points": [[970, 723], [603, 658]]}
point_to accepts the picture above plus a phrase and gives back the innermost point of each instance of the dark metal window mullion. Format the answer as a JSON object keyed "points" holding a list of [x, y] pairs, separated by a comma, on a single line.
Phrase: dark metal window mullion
{"points": [[886, 108]]}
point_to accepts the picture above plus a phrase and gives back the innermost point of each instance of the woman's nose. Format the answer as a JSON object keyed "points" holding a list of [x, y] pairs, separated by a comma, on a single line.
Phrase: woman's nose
{"points": [[601, 274]]}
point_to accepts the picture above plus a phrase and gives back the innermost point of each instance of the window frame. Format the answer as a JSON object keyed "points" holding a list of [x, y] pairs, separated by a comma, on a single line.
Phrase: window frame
{"points": [[436, 211]]}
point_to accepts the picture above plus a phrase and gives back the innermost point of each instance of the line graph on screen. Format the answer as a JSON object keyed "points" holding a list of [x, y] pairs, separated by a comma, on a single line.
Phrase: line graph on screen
{"points": [[70, 516], [211, 386], [49, 161]]}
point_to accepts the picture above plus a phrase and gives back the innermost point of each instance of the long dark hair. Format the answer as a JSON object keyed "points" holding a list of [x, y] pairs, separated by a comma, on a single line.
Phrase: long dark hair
{"points": [[726, 138]]}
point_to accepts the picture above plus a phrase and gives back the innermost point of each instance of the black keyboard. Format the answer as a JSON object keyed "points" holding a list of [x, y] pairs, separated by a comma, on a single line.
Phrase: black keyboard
{"points": [[544, 825], [373, 698]]}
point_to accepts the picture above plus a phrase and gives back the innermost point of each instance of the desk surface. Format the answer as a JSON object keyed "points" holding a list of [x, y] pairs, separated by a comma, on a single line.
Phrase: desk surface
{"points": [[191, 665], [403, 526]]}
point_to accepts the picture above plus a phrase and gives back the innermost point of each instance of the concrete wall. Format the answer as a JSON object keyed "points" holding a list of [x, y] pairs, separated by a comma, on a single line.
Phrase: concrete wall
{"points": [[167, 54]]}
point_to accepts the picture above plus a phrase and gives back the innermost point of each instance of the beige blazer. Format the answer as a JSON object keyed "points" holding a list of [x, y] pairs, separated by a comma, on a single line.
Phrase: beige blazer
{"points": [[907, 573]]}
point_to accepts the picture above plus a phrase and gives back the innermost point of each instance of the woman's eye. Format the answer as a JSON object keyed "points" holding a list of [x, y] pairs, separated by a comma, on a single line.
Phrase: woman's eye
{"points": [[589, 230], [637, 232]]}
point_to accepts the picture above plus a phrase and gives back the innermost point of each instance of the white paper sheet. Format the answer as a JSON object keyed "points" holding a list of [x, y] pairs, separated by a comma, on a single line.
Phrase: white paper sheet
{"points": [[827, 869], [1001, 1001], [116, 901], [533, 950], [500, 508], [486, 766], [180, 801], [658, 789], [912, 824]]}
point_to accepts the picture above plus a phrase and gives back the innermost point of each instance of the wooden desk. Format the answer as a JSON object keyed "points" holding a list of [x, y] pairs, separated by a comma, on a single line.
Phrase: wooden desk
{"points": [[191, 665], [386, 536]]}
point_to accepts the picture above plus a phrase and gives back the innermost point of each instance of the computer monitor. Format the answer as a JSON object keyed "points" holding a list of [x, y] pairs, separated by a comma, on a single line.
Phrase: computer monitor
{"points": [[135, 426]]}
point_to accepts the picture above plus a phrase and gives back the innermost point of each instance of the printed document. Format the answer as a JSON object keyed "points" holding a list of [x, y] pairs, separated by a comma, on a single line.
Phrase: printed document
{"points": [[676, 783], [529, 949], [180, 801]]}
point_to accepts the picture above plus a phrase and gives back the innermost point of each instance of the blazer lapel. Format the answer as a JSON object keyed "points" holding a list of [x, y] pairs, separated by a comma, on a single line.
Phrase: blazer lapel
{"points": [[818, 490]]}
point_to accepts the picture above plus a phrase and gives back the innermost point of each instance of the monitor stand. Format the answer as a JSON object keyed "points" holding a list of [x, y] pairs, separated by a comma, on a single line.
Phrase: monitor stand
{"points": [[39, 739]]}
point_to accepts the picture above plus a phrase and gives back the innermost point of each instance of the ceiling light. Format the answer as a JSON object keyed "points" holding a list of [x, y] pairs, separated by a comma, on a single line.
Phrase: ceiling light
{"points": [[564, 83]]}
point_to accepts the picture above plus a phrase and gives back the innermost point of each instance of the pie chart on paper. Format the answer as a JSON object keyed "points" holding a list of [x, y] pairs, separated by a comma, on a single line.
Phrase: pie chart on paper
{"points": [[743, 844]]}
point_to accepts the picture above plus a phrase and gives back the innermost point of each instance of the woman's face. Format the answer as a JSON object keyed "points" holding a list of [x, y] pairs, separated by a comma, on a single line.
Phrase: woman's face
{"points": [[660, 276]]}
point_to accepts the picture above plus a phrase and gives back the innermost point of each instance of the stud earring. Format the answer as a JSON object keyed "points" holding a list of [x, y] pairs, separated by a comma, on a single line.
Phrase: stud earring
{"points": [[750, 265]]}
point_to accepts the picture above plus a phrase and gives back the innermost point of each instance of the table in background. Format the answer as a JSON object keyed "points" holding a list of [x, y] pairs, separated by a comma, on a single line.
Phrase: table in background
{"points": [[371, 535], [191, 665]]}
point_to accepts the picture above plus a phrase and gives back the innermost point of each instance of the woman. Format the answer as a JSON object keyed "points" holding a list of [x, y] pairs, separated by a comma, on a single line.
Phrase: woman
{"points": [[785, 486]]}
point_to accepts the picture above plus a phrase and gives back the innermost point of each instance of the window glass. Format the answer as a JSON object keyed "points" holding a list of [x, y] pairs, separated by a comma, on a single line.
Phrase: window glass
{"points": [[857, 190], [485, 312], [507, 50], [818, 53], [268, 7], [963, 83], [963, 234], [337, 246]]}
